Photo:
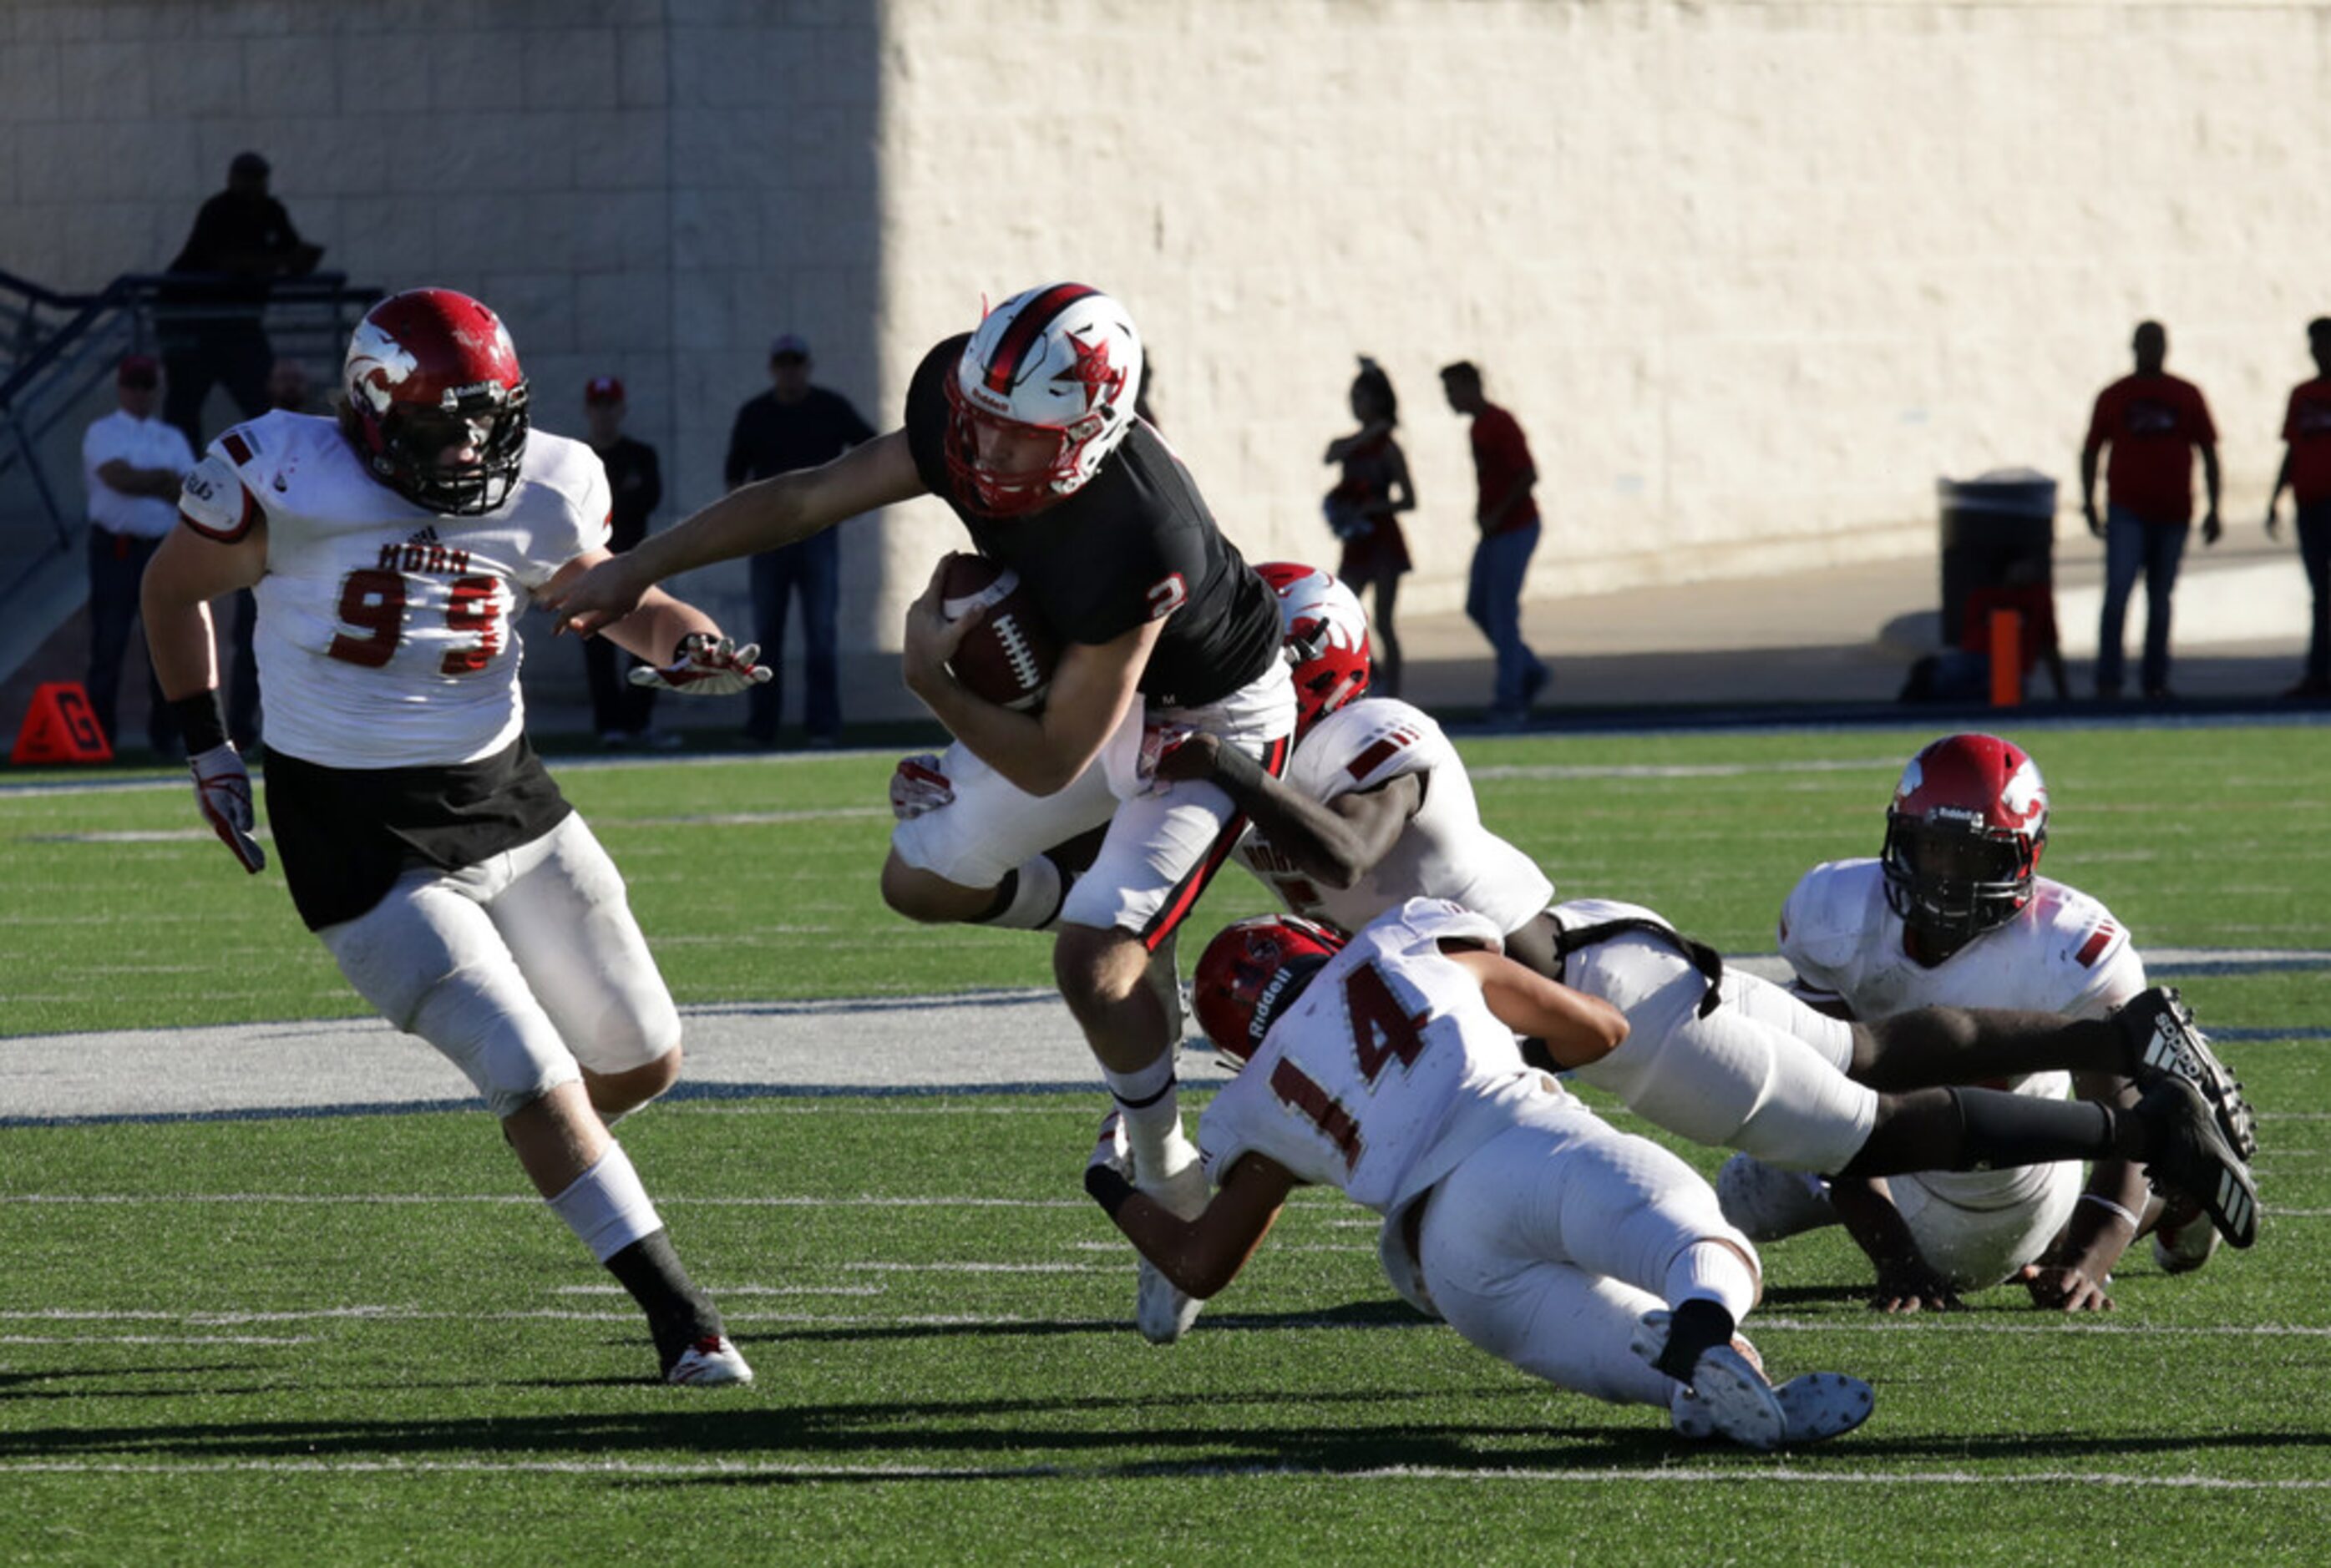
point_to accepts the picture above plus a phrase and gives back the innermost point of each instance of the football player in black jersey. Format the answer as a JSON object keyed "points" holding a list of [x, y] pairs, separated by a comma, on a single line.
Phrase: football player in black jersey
{"points": [[1026, 429]]}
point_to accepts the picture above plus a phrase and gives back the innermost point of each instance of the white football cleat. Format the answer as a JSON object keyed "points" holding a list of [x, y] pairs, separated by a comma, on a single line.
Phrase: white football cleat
{"points": [[2184, 1238], [1767, 1203], [1727, 1395], [712, 1361], [1162, 1310]]}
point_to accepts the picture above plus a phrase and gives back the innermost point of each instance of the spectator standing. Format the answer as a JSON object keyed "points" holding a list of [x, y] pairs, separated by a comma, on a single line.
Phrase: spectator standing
{"points": [[620, 710], [2153, 423], [1506, 515], [1363, 510], [2306, 472], [795, 425], [243, 240], [132, 464]]}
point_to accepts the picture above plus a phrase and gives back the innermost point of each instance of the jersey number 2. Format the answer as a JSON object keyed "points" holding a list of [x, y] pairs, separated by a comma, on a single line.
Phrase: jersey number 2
{"points": [[1382, 1032], [373, 601]]}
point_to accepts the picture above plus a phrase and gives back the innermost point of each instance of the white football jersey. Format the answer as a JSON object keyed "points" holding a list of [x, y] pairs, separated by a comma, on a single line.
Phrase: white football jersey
{"points": [[2064, 953], [1442, 852], [387, 633], [1388, 1070]]}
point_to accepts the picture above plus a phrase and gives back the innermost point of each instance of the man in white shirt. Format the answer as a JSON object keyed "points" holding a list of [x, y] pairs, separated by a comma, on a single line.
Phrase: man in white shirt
{"points": [[132, 464]]}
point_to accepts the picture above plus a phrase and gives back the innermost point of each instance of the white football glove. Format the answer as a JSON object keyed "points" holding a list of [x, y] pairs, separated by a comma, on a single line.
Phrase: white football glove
{"points": [[223, 792], [919, 787], [707, 665]]}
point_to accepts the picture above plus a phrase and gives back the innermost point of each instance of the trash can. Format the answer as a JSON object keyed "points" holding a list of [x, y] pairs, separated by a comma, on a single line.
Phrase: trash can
{"points": [[1991, 526]]}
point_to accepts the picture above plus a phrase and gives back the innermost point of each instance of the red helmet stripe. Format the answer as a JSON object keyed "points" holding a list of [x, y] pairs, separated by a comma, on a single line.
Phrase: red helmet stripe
{"points": [[1026, 330]]}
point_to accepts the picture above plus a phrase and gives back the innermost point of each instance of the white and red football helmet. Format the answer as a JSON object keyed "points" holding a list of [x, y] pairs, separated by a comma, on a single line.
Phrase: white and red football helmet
{"points": [[429, 373], [1325, 634], [1251, 972], [1964, 836], [1053, 372]]}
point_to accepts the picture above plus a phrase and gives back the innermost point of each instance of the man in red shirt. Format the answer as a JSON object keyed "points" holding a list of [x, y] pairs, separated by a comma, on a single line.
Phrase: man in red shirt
{"points": [[2307, 471], [2153, 421], [1506, 515]]}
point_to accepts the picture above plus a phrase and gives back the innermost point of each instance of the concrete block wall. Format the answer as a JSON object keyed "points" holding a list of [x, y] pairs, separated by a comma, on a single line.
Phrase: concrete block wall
{"points": [[1752, 275]]}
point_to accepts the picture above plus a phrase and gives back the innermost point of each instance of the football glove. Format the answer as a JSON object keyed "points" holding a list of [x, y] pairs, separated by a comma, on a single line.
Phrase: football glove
{"points": [[707, 665], [222, 792], [919, 787]]}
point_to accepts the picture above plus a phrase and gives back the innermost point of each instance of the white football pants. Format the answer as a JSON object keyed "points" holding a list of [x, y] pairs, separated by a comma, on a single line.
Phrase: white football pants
{"points": [[517, 968], [1547, 1244]]}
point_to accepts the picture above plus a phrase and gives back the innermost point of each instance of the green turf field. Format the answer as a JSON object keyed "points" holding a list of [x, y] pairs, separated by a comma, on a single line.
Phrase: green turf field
{"points": [[357, 1339]]}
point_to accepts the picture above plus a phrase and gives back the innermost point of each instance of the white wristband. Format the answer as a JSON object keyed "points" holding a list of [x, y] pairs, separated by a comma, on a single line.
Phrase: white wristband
{"points": [[2101, 1202]]}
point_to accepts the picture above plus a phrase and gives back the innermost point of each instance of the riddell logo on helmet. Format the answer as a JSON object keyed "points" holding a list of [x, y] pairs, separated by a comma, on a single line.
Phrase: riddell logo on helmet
{"points": [[491, 391]]}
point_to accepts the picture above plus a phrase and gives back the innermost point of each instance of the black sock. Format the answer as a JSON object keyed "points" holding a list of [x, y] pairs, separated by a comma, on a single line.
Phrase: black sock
{"points": [[1694, 1328], [2005, 1129], [679, 1314]]}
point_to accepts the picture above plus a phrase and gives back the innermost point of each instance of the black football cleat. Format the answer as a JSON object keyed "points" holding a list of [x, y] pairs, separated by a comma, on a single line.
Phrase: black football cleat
{"points": [[2162, 1039], [2190, 1157]]}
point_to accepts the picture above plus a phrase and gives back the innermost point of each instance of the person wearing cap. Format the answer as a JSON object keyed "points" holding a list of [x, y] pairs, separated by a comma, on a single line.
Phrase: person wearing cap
{"points": [[243, 240], [620, 710], [795, 425], [132, 464]]}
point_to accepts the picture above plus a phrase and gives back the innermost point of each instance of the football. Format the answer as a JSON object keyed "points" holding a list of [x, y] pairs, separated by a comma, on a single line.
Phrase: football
{"points": [[1007, 659]]}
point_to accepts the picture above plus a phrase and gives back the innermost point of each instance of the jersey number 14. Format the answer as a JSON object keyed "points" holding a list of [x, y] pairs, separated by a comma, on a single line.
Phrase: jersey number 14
{"points": [[1383, 1031]]}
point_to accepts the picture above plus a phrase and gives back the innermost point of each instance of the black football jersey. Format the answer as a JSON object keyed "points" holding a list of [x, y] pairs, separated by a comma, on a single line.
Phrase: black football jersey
{"points": [[1134, 543]]}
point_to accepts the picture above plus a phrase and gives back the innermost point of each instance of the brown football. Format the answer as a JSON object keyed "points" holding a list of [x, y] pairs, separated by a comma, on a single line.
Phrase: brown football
{"points": [[1007, 659]]}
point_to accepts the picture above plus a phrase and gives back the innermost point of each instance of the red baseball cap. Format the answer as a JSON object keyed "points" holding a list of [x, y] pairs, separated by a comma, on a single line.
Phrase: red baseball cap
{"points": [[603, 389], [138, 370]]}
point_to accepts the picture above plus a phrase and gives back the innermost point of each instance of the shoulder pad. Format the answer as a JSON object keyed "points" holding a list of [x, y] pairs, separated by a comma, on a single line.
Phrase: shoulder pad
{"points": [[1366, 743], [1431, 920], [2078, 926], [1827, 917], [215, 501], [575, 471]]}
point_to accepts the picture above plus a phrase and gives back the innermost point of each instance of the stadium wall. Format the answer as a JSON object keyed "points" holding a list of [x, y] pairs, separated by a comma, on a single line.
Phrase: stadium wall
{"points": [[1751, 275]]}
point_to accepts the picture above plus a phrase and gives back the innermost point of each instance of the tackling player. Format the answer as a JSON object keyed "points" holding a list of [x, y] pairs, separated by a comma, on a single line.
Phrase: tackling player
{"points": [[1026, 429], [422, 840], [1376, 808], [1386, 1067], [1953, 911]]}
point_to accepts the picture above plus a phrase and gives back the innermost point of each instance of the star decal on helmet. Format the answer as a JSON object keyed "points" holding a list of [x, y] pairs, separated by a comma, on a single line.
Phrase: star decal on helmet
{"points": [[1093, 370]]}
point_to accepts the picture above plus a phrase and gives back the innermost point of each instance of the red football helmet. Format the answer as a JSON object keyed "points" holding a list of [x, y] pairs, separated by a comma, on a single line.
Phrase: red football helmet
{"points": [[1964, 836], [1325, 633], [1251, 971], [1050, 376], [431, 375]]}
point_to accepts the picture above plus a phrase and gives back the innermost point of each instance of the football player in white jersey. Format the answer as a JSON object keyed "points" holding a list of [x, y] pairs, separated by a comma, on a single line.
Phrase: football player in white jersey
{"points": [[1955, 912], [422, 839], [1386, 1067], [1373, 809]]}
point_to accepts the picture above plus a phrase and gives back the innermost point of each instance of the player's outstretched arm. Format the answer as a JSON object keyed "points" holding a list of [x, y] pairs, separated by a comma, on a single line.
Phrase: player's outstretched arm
{"points": [[1336, 843], [1200, 1256], [2071, 1275], [784, 509], [189, 570], [1577, 1029]]}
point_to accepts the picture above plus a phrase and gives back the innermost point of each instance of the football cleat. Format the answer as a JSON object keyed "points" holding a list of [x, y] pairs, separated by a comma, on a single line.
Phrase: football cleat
{"points": [[712, 1361], [1767, 1202], [2191, 1158], [1163, 1311], [1727, 1395], [2184, 1237], [2162, 1039]]}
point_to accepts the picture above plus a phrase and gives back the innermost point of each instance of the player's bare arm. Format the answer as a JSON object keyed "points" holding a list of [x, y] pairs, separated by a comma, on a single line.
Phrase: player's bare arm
{"points": [[782, 510], [2071, 1275], [1338, 842], [1201, 1256], [1907, 1282], [1576, 1028], [1093, 686], [653, 629], [186, 573]]}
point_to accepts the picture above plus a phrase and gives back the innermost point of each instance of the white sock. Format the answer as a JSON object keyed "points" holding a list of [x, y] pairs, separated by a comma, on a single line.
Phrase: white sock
{"points": [[1152, 1109], [1036, 898], [606, 1206], [1712, 1272]]}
